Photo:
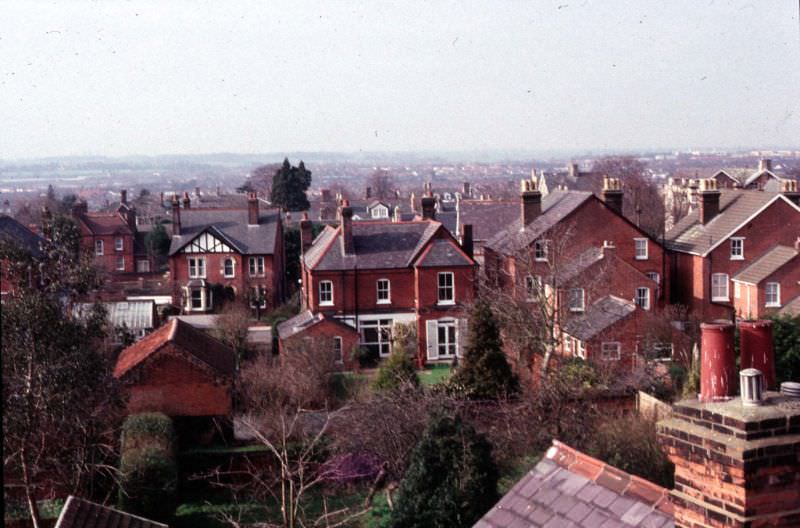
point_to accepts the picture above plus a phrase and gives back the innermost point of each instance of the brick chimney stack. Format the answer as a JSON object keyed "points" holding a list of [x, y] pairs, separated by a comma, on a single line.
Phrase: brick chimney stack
{"points": [[252, 209], [396, 215], [467, 241], [466, 189], [346, 213], [176, 215], [764, 164], [612, 194], [306, 234], [368, 192], [573, 170], [80, 208], [123, 196], [187, 202], [708, 202], [790, 190], [428, 206], [413, 202], [530, 201]]}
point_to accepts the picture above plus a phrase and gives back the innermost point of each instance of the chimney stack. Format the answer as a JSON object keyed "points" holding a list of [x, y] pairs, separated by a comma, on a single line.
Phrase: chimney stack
{"points": [[123, 196], [530, 202], [368, 192], [708, 202], [790, 190], [80, 208], [413, 202], [612, 194], [764, 164], [252, 209], [573, 170], [466, 190], [197, 192], [467, 242], [176, 215], [397, 215], [346, 213], [187, 202], [756, 349], [717, 363], [428, 206], [325, 195], [306, 234], [161, 198]]}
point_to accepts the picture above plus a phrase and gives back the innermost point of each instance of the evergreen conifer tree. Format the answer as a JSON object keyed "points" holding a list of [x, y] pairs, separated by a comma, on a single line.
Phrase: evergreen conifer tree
{"points": [[451, 480], [484, 372], [289, 186]]}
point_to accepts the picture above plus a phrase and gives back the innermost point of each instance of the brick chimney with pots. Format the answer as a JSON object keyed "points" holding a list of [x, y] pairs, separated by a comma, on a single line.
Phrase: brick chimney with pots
{"points": [[612, 194], [123, 196], [790, 190], [306, 233], [466, 189], [428, 206], [187, 202], [368, 192], [467, 241], [764, 164], [176, 215], [252, 209], [755, 346], [530, 201], [708, 200], [346, 214]]}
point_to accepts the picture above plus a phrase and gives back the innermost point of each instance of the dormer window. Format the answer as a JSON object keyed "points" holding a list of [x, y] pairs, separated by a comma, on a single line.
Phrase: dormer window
{"points": [[737, 248]]}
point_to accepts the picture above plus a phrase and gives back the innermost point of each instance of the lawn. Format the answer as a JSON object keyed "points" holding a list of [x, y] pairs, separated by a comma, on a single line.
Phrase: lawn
{"points": [[433, 374]]}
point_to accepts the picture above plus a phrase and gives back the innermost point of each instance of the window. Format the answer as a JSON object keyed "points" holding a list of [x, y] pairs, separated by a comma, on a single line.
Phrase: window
{"points": [[540, 250], [337, 349], [120, 264], [98, 247], [567, 343], [258, 297], [142, 266], [737, 290], [772, 295], [119, 244], [379, 211], [643, 298], [376, 336], [197, 268], [737, 249], [719, 287], [228, 267], [197, 300], [580, 346], [446, 338], [446, 294], [610, 350], [326, 293], [256, 266], [576, 300], [641, 248], [654, 276], [532, 286], [384, 293]]}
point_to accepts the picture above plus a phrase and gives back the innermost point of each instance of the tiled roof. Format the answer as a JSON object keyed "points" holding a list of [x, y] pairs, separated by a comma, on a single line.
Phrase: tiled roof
{"points": [[556, 206], [232, 224], [598, 316], [488, 217], [443, 252], [570, 489], [210, 351], [735, 206], [133, 314], [105, 224], [12, 230], [305, 320], [766, 265], [80, 513], [377, 245]]}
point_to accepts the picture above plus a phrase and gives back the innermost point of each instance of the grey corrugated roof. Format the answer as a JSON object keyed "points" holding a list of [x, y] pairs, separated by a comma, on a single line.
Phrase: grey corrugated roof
{"points": [[766, 265], [735, 206], [13, 231], [377, 245], [556, 206], [569, 489], [598, 316], [232, 224], [136, 315], [80, 513]]}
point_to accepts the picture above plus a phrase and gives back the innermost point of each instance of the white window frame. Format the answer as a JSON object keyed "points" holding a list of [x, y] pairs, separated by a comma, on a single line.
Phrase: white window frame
{"points": [[737, 290], [338, 350], [643, 302], [99, 248], [119, 265], [776, 303], [654, 276], [197, 267], [541, 250], [606, 349], [580, 348], [119, 244], [717, 282], [256, 266], [532, 286], [441, 289], [325, 297], [383, 331], [737, 248], [576, 308], [450, 327], [567, 343], [639, 254], [225, 273], [205, 300], [255, 293], [432, 338], [142, 266], [387, 291]]}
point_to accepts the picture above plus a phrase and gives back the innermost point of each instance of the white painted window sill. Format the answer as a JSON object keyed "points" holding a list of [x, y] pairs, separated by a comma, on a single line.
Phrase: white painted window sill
{"points": [[772, 305], [384, 302], [736, 258], [445, 303], [326, 304], [720, 299]]}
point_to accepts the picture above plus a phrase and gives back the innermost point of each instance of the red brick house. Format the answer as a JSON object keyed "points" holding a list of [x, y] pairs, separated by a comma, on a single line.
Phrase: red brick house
{"points": [[768, 284], [109, 237], [178, 370], [374, 275], [23, 239], [338, 338], [236, 252], [728, 232]]}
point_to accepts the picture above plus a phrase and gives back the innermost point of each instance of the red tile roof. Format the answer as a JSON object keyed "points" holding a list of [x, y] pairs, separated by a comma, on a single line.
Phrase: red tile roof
{"points": [[210, 351]]}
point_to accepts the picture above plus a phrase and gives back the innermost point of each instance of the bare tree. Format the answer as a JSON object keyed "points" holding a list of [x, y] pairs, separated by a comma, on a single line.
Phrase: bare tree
{"points": [[381, 184], [233, 327]]}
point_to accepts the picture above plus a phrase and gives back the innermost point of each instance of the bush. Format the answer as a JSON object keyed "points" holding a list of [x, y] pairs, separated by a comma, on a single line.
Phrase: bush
{"points": [[786, 336], [397, 371], [149, 481]]}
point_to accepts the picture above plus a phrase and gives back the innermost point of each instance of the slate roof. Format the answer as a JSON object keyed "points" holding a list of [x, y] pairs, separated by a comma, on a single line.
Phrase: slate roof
{"points": [[232, 225], [598, 316], [488, 217], [791, 308], [305, 320], [133, 314], [378, 245], [105, 224], [735, 206], [210, 351], [13, 231], [80, 513], [766, 265], [570, 489], [443, 252], [556, 206]]}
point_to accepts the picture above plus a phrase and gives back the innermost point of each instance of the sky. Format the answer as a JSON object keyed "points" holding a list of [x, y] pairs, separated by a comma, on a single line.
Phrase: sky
{"points": [[189, 77]]}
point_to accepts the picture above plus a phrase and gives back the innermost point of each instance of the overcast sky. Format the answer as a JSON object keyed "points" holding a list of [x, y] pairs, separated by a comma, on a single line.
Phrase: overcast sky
{"points": [[164, 77]]}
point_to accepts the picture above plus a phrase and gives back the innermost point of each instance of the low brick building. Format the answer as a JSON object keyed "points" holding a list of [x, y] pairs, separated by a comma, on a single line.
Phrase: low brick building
{"points": [[328, 334], [768, 284], [179, 371]]}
